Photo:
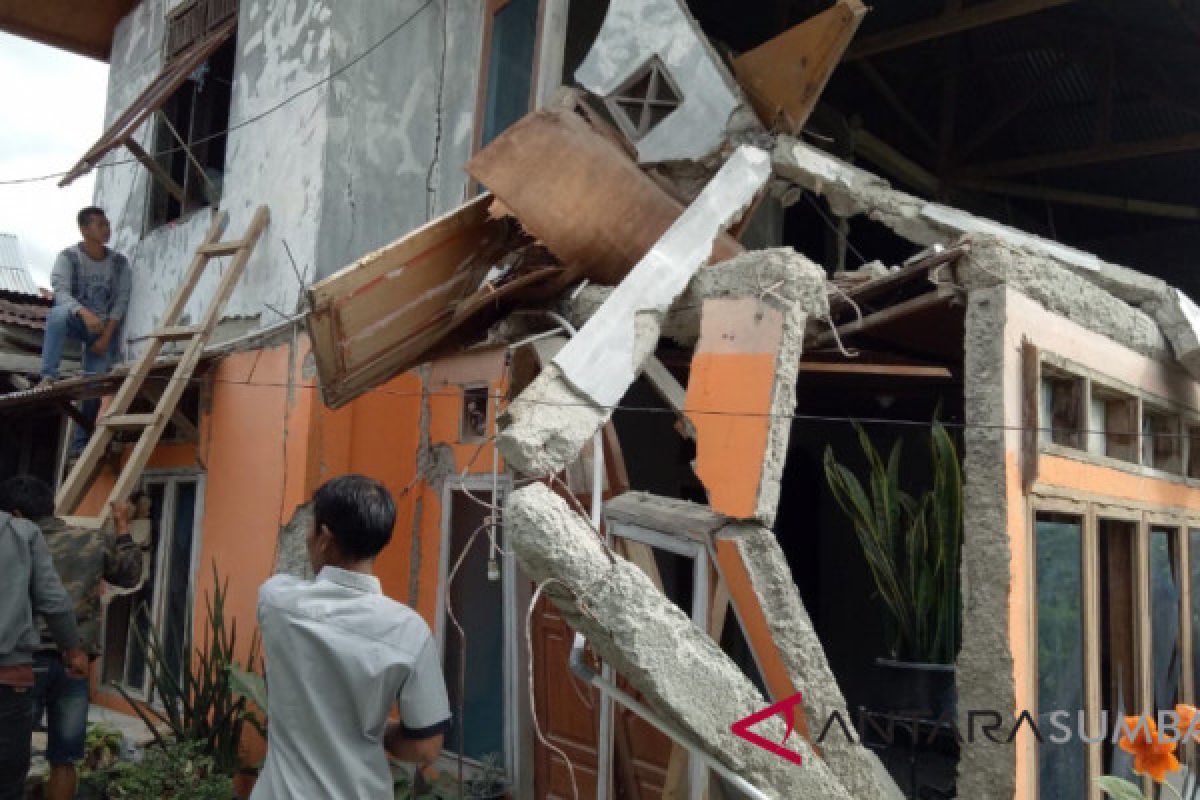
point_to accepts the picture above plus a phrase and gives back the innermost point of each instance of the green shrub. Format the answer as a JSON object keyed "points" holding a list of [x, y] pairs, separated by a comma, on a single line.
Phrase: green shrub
{"points": [[182, 770]]}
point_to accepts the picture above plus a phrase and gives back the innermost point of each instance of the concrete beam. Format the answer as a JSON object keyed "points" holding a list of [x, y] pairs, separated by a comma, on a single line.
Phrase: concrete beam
{"points": [[679, 671], [545, 427], [1013, 256]]}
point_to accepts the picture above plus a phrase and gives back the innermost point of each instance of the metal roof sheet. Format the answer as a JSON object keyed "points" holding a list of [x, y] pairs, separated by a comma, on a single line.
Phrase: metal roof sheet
{"points": [[14, 277]]}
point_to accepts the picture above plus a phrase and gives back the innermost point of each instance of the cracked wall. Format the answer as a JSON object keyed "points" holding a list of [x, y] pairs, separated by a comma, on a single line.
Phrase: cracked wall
{"points": [[343, 167]]}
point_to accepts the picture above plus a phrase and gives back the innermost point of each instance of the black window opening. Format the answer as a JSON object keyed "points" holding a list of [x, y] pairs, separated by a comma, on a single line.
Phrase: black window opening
{"points": [[190, 136]]}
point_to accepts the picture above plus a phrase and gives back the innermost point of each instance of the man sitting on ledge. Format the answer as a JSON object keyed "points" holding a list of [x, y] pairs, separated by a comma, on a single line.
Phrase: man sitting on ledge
{"points": [[91, 295]]}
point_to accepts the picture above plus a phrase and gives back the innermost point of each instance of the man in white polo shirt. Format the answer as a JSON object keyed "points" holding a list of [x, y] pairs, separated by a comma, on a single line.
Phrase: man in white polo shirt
{"points": [[340, 655]]}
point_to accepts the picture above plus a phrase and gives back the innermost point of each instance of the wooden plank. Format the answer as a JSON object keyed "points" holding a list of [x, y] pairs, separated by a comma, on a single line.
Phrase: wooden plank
{"points": [[176, 333], [665, 514], [155, 169], [897, 105], [670, 390], [1130, 205], [947, 24], [128, 421], [1102, 154], [187, 430], [784, 76], [1031, 387], [76, 415], [861, 368], [890, 314], [893, 280], [222, 248]]}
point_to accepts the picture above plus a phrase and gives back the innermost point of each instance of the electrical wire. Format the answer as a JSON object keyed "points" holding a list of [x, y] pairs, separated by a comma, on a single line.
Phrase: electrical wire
{"points": [[254, 118], [703, 412]]}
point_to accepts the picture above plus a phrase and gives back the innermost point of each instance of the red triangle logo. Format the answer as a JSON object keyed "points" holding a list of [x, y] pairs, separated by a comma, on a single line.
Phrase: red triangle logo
{"points": [[785, 707]]}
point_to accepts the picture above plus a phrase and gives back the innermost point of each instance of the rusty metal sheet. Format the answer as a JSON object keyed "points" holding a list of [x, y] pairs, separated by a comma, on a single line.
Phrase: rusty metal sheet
{"points": [[571, 187]]}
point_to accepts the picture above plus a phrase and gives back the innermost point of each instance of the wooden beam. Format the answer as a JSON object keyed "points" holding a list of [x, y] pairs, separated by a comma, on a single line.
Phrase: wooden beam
{"points": [[1104, 154], [1010, 111], [1130, 205], [860, 368], [894, 163], [672, 393], [893, 100], [155, 169], [871, 321], [947, 25], [187, 430], [76, 415]]}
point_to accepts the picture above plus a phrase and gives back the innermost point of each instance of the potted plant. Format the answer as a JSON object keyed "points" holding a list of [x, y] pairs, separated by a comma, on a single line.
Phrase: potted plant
{"points": [[489, 783], [911, 545]]}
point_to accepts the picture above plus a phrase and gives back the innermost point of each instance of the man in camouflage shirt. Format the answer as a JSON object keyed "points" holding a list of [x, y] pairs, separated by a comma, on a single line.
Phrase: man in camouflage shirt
{"points": [[84, 558]]}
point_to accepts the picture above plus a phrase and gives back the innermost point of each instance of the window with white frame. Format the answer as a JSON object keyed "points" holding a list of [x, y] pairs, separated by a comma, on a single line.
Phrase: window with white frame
{"points": [[164, 601]]}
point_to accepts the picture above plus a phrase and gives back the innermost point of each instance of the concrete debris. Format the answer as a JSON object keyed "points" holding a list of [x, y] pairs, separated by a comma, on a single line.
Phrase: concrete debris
{"points": [[640, 37], [753, 329], [545, 427], [291, 551], [859, 770], [654, 646], [992, 261], [851, 191]]}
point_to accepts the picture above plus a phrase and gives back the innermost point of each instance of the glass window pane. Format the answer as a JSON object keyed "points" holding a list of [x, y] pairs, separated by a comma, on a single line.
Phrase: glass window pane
{"points": [[1164, 611], [1061, 768], [177, 618], [510, 66], [1118, 634], [478, 605]]}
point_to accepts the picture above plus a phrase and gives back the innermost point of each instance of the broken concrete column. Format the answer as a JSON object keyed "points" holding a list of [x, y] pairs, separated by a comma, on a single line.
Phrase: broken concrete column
{"points": [[742, 385], [545, 427], [798, 647], [679, 671]]}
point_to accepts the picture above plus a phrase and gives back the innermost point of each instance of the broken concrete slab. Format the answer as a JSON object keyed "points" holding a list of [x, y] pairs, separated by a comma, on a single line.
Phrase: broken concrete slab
{"points": [[992, 261], [643, 43], [803, 657], [784, 77], [678, 670], [575, 190], [545, 427], [851, 191], [742, 384]]}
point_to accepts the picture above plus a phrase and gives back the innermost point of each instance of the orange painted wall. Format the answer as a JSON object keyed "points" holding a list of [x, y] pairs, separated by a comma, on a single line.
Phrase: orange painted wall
{"points": [[267, 442]]}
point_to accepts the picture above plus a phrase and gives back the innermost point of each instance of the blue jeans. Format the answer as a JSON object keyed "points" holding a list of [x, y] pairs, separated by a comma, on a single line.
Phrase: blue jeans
{"points": [[62, 324], [65, 701]]}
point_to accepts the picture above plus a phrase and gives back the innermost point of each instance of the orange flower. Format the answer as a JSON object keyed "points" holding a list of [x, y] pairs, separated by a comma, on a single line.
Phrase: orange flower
{"points": [[1150, 756], [1187, 719]]}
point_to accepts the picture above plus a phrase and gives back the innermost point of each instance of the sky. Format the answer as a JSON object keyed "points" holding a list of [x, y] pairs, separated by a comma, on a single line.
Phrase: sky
{"points": [[51, 111]]}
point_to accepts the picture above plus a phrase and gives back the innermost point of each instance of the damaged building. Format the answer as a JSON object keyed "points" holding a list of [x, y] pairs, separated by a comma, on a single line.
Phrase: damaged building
{"points": [[607, 293]]}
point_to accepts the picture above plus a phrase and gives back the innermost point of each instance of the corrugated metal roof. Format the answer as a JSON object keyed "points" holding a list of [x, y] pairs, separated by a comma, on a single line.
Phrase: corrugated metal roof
{"points": [[14, 277]]}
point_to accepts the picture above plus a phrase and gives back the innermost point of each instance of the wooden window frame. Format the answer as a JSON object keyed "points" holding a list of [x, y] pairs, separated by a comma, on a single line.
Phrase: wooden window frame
{"points": [[1090, 510], [490, 10], [1036, 361]]}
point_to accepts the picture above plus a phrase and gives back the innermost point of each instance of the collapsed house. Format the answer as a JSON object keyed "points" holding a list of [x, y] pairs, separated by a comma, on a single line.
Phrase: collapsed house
{"points": [[609, 379]]}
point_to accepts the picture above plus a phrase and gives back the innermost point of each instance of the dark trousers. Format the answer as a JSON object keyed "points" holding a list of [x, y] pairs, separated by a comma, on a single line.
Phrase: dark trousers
{"points": [[16, 738]]}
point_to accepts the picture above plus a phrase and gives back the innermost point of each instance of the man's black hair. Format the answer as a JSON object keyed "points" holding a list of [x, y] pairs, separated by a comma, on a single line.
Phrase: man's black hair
{"points": [[85, 215], [31, 497], [358, 511]]}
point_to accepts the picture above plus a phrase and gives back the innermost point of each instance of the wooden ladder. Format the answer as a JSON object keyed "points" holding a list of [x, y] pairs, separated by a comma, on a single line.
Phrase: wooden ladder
{"points": [[117, 416]]}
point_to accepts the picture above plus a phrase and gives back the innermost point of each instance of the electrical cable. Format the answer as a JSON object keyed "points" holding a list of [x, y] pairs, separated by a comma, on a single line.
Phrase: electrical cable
{"points": [[254, 118]]}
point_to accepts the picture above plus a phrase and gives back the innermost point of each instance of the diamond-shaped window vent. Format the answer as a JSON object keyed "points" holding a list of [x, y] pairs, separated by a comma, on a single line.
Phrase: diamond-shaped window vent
{"points": [[644, 100]]}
